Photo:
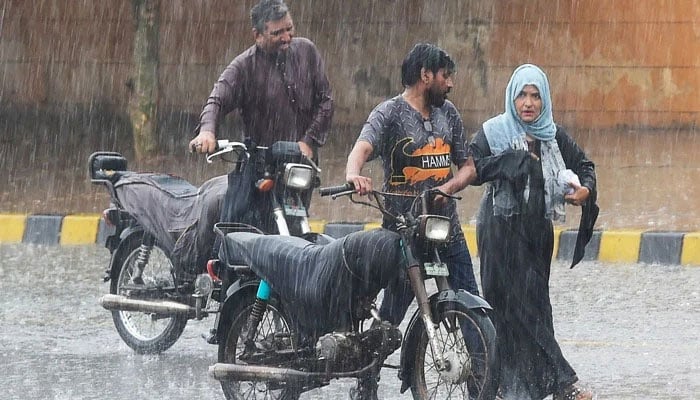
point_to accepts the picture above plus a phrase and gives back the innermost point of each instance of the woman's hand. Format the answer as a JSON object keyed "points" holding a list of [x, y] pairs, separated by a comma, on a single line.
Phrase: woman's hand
{"points": [[579, 196]]}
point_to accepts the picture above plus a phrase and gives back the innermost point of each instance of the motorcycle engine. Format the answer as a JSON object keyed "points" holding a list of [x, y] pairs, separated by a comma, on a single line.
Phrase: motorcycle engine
{"points": [[340, 351], [349, 351]]}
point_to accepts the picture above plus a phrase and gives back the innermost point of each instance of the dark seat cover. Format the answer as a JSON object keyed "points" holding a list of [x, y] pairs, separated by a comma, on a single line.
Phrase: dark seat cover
{"points": [[167, 205], [317, 284]]}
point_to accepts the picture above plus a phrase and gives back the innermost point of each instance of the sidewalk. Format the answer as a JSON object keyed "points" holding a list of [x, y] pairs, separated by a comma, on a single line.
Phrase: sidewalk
{"points": [[625, 246]]}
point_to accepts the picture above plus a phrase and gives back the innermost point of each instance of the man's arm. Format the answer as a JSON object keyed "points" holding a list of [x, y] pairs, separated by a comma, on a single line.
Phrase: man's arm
{"points": [[317, 133], [356, 160], [223, 99], [204, 142], [465, 175]]}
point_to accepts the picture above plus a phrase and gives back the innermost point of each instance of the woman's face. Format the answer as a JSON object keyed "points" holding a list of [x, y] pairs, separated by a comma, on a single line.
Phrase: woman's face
{"points": [[528, 103]]}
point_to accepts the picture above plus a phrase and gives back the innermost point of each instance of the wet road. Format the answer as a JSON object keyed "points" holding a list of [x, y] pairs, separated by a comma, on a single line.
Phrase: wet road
{"points": [[630, 331]]}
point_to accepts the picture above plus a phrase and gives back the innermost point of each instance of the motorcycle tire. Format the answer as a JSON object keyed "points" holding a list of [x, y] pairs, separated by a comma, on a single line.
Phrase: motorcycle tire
{"points": [[273, 332], [145, 333], [472, 371]]}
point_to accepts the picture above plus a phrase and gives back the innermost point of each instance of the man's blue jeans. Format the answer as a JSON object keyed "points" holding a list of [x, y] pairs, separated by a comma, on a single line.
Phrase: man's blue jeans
{"points": [[399, 295]]}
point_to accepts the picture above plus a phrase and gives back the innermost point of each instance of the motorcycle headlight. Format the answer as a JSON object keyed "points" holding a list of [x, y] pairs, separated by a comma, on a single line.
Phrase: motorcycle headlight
{"points": [[435, 228], [298, 176]]}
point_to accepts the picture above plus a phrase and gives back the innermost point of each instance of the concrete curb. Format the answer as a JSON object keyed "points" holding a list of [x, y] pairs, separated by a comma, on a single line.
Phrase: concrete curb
{"points": [[627, 246]]}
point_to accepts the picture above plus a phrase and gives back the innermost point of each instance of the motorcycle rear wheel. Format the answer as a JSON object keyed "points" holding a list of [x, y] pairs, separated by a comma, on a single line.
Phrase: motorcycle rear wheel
{"points": [[473, 372], [146, 333], [273, 332]]}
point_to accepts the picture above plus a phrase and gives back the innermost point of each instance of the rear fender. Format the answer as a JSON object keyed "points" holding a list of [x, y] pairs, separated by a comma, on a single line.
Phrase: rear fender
{"points": [[235, 295], [127, 235], [410, 343]]}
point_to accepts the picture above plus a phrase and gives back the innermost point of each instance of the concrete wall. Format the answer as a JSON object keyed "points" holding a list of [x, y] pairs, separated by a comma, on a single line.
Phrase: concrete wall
{"points": [[624, 75], [622, 63]]}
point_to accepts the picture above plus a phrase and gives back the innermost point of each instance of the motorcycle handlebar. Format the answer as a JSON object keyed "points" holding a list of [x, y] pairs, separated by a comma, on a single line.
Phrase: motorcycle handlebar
{"points": [[225, 146], [331, 190]]}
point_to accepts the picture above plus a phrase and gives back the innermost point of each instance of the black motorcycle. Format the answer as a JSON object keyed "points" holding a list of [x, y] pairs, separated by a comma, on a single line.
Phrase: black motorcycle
{"points": [[162, 233], [314, 318]]}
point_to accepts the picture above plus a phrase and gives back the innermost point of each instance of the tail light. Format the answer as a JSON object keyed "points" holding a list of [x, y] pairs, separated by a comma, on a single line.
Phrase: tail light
{"points": [[111, 216], [213, 270]]}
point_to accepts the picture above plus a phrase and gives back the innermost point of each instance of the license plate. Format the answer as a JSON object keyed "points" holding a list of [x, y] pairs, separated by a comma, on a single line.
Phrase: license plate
{"points": [[295, 210], [436, 269]]}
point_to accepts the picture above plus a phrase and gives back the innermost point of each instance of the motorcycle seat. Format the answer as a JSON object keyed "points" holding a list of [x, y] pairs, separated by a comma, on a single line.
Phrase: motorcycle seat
{"points": [[172, 185], [322, 283]]}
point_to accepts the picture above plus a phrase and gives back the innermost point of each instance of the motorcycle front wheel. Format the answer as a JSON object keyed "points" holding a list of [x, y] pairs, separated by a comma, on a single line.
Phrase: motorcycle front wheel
{"points": [[145, 333], [273, 335], [465, 366]]}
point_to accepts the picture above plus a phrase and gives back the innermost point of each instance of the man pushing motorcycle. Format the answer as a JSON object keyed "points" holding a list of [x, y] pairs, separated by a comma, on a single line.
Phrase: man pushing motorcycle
{"points": [[279, 86], [419, 135]]}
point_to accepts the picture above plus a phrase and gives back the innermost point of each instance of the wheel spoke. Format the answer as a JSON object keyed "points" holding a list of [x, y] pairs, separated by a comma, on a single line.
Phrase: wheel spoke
{"points": [[463, 348], [271, 326], [146, 332]]}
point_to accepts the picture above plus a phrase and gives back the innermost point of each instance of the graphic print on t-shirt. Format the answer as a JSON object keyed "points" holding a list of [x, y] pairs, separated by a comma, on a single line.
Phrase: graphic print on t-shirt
{"points": [[411, 164]]}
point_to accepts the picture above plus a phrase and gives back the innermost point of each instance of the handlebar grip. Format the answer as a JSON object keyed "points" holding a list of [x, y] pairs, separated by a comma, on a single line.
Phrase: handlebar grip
{"points": [[331, 190]]}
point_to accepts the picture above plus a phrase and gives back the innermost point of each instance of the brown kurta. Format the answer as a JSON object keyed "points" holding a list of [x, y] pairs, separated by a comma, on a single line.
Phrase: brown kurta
{"points": [[281, 97]]}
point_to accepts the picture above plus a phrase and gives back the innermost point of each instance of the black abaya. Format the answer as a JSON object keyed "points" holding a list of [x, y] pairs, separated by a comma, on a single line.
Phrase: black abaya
{"points": [[515, 257]]}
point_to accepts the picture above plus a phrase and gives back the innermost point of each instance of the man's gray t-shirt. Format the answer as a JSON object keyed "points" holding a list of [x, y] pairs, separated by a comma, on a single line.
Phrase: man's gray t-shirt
{"points": [[416, 154]]}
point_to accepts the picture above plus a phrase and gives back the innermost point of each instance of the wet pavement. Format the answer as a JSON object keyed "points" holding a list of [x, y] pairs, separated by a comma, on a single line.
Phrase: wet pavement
{"points": [[630, 331]]}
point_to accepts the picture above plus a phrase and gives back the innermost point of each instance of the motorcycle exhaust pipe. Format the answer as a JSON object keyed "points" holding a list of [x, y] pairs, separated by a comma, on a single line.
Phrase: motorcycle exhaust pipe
{"points": [[259, 373], [256, 373], [121, 303]]}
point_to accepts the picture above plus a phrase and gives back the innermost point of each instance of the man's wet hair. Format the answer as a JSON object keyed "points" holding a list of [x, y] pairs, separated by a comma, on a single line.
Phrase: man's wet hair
{"points": [[266, 11], [424, 55]]}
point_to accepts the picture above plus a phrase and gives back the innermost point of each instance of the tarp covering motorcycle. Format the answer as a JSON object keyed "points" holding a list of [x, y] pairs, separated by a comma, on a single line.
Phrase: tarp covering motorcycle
{"points": [[322, 284], [178, 214]]}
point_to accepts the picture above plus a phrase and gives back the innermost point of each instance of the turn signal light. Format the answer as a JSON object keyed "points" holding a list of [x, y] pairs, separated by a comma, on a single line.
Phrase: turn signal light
{"points": [[265, 185]]}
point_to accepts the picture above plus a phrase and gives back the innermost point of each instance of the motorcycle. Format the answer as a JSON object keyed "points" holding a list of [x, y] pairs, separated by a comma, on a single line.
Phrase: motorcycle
{"points": [[162, 234], [315, 318]]}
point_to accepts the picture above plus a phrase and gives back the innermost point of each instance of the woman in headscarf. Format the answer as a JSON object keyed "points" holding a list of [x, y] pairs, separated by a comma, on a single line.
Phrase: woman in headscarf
{"points": [[533, 167]]}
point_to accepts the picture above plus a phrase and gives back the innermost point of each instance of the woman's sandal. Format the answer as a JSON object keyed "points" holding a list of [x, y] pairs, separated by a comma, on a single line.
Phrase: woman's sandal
{"points": [[574, 392]]}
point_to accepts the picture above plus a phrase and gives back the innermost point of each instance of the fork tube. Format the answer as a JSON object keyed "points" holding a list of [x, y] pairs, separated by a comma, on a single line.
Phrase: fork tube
{"points": [[304, 221], [278, 213], [418, 285]]}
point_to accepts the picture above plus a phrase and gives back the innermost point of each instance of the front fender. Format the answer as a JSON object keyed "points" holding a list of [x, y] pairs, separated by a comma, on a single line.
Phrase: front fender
{"points": [[412, 334]]}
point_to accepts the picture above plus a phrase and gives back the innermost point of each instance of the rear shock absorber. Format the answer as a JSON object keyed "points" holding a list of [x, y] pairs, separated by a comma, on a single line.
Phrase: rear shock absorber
{"points": [[256, 314], [144, 254]]}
